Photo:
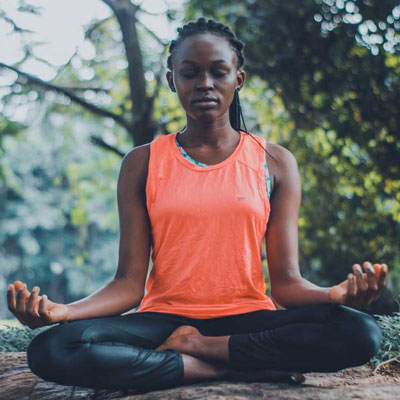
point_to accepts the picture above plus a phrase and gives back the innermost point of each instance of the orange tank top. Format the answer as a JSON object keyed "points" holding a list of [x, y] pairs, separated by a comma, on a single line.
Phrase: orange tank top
{"points": [[208, 225]]}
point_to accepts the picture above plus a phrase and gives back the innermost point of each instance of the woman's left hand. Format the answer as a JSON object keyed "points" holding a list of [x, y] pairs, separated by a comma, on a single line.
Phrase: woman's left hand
{"points": [[360, 288]]}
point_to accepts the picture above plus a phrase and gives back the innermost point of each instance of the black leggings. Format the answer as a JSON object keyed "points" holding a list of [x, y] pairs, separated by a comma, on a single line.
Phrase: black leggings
{"points": [[117, 353]]}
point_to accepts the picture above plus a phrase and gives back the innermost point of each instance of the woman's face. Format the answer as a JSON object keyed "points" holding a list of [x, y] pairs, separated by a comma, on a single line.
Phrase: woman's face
{"points": [[204, 65]]}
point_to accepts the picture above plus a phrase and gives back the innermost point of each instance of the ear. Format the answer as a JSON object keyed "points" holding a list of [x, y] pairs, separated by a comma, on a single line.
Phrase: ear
{"points": [[241, 77], [170, 79]]}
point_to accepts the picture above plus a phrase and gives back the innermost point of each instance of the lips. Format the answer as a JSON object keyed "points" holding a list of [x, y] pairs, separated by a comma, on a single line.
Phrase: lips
{"points": [[207, 99], [205, 102]]}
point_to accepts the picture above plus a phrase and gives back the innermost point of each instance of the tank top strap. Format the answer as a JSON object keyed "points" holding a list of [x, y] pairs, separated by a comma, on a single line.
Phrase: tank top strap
{"points": [[263, 162], [251, 154], [254, 154], [159, 150], [159, 155]]}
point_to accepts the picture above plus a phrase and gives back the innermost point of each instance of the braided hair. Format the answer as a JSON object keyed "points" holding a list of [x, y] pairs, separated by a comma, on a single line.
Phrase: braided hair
{"points": [[216, 28]]}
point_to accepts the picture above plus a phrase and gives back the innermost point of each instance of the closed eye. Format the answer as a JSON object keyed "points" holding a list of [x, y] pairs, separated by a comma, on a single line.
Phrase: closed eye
{"points": [[192, 74]]}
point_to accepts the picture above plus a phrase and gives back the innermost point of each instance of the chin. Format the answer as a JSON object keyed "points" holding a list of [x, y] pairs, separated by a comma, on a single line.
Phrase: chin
{"points": [[206, 115]]}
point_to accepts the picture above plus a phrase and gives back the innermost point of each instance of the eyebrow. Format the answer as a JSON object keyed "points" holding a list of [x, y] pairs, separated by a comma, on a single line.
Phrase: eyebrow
{"points": [[213, 62]]}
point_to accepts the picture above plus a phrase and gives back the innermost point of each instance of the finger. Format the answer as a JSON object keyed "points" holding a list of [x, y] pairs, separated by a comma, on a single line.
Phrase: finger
{"points": [[381, 279], [351, 286], [365, 279], [26, 292], [378, 269], [359, 279], [11, 298], [43, 309], [18, 285], [21, 299], [371, 276], [372, 280], [20, 305], [32, 305], [382, 275]]}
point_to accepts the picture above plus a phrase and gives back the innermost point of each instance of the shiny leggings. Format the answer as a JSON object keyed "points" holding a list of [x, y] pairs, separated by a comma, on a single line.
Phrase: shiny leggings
{"points": [[117, 352]]}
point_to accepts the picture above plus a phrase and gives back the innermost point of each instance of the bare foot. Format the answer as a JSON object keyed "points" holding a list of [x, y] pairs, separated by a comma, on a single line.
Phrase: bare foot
{"points": [[179, 338]]}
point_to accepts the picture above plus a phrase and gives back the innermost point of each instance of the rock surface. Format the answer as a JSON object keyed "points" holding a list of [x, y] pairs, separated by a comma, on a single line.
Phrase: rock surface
{"points": [[17, 382]]}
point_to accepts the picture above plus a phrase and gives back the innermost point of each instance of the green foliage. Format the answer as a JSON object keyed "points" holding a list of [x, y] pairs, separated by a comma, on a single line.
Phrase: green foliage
{"points": [[390, 326], [58, 205], [13, 338]]}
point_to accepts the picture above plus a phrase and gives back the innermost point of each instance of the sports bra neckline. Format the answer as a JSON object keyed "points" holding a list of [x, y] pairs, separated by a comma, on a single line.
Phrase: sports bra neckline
{"points": [[204, 167]]}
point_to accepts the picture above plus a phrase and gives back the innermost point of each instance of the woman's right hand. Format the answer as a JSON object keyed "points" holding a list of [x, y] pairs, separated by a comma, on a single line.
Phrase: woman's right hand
{"points": [[34, 310]]}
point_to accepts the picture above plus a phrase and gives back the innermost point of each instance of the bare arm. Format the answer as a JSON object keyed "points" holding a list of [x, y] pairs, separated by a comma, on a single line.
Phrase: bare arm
{"points": [[288, 287], [114, 298], [126, 289]]}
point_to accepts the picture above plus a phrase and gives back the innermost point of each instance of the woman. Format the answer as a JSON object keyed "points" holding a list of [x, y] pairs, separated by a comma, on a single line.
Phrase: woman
{"points": [[204, 199]]}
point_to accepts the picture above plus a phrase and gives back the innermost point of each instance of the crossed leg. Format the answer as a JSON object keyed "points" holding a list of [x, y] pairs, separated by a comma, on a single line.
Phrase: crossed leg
{"points": [[319, 337], [207, 357], [120, 352]]}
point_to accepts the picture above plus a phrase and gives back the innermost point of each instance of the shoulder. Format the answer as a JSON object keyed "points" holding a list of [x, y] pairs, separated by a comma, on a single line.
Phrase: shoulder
{"points": [[282, 164], [137, 155], [135, 163], [281, 154]]}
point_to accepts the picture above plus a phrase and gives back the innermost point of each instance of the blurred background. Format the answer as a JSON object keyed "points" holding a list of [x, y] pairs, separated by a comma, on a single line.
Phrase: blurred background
{"points": [[81, 83]]}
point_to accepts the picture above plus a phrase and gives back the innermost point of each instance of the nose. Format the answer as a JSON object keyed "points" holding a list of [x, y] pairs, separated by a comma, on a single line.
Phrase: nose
{"points": [[204, 82]]}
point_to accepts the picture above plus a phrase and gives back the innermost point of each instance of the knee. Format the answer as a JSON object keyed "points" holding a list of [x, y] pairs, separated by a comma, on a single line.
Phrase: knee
{"points": [[40, 353], [364, 336], [36, 353], [370, 337]]}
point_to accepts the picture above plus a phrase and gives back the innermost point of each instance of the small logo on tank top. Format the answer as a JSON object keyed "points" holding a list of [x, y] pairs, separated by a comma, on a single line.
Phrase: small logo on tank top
{"points": [[240, 197]]}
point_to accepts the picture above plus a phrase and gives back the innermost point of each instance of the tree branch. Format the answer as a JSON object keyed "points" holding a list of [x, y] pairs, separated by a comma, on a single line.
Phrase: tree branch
{"points": [[89, 106], [153, 35], [79, 88], [101, 143], [95, 25], [149, 12], [16, 28]]}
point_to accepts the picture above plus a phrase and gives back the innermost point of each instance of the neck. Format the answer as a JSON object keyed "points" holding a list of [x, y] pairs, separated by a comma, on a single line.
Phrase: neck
{"points": [[211, 134]]}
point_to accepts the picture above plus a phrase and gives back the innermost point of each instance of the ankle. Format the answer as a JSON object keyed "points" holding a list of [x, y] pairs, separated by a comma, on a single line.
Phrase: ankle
{"points": [[197, 369]]}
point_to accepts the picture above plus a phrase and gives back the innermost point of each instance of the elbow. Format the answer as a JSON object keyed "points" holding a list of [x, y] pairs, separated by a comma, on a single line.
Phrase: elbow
{"points": [[279, 302], [136, 297], [278, 299], [129, 290], [285, 302], [137, 300], [285, 294]]}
